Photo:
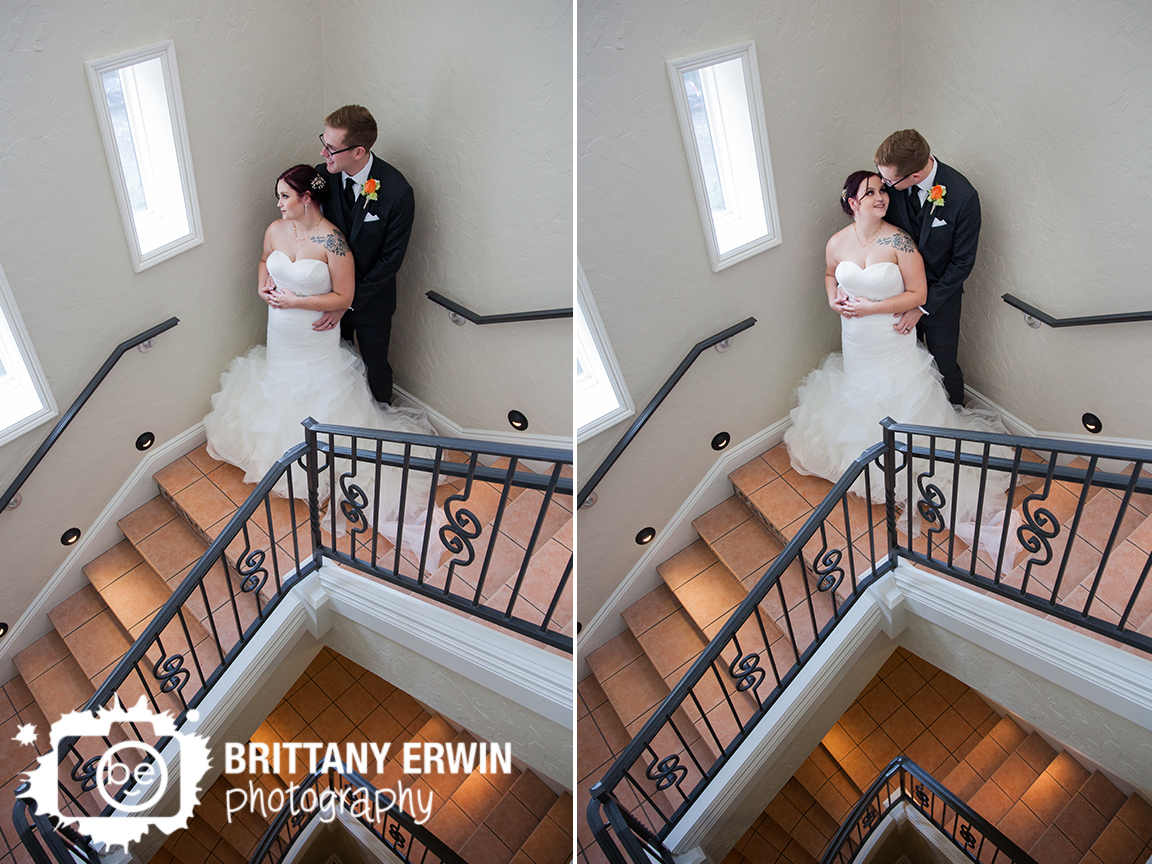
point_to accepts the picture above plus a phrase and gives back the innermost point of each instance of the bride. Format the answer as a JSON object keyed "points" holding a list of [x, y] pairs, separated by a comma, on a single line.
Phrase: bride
{"points": [[306, 270], [873, 273]]}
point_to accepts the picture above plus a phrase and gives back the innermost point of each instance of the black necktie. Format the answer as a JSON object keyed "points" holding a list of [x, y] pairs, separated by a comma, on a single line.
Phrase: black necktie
{"points": [[914, 200], [350, 191]]}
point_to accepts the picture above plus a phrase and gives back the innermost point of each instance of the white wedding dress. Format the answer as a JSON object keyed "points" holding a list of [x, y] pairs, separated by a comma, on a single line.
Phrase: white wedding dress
{"points": [[264, 395], [881, 373]]}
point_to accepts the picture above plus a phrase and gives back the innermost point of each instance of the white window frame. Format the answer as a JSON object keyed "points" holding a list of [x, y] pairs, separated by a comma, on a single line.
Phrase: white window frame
{"points": [[594, 340], [745, 52], [23, 378], [166, 53]]}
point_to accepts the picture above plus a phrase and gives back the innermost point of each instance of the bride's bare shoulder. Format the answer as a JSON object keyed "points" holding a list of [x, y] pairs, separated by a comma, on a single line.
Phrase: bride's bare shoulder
{"points": [[328, 235], [899, 239]]}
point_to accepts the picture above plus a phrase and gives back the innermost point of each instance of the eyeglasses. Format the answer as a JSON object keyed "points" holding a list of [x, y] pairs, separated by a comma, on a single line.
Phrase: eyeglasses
{"points": [[327, 148], [883, 179]]}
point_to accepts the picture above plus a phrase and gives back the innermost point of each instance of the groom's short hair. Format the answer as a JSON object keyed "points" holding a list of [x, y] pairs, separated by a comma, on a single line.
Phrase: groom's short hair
{"points": [[358, 124], [906, 151]]}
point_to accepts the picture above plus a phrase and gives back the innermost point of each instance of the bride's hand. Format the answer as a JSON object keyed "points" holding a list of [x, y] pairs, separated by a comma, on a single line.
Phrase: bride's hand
{"points": [[858, 307]]}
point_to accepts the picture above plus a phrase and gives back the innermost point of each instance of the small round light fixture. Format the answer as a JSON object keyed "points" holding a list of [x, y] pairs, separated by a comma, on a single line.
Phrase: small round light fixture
{"points": [[518, 421], [645, 535], [69, 537], [721, 440], [3, 629], [146, 440], [579, 627], [1092, 423]]}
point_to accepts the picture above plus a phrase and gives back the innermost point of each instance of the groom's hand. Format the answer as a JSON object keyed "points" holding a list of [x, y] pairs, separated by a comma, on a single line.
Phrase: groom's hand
{"points": [[328, 320], [906, 322]]}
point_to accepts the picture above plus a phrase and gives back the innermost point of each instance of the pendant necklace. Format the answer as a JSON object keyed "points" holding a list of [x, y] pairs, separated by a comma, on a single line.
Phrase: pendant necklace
{"points": [[864, 245]]}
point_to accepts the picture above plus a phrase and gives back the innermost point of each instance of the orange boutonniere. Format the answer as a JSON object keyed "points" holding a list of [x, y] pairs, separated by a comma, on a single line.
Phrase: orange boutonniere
{"points": [[936, 195], [369, 190]]}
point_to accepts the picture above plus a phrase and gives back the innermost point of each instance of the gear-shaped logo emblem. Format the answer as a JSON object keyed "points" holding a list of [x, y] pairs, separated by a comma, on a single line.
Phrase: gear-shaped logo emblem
{"points": [[130, 775]]}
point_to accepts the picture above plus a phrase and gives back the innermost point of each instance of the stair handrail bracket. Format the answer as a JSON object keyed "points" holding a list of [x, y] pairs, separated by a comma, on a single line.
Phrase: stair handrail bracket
{"points": [[273, 542], [1018, 550]]}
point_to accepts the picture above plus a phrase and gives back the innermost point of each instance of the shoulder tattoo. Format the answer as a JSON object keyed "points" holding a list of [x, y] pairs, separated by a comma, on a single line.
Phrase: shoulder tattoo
{"points": [[333, 242], [900, 241]]}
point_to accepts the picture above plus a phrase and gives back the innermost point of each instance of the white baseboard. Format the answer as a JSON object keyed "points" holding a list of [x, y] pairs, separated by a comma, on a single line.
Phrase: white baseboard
{"points": [[674, 536], [450, 428], [102, 535]]}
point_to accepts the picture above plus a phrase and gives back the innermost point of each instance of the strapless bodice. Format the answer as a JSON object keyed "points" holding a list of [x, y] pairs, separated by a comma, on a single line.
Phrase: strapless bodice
{"points": [[877, 281], [305, 276]]}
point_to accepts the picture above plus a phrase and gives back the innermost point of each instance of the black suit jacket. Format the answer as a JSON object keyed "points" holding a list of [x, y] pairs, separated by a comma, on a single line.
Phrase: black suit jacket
{"points": [[949, 249], [377, 231]]}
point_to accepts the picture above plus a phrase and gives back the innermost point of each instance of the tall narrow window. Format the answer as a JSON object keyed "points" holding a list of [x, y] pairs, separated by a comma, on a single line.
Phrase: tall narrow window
{"points": [[25, 400], [145, 135], [721, 114], [602, 399]]}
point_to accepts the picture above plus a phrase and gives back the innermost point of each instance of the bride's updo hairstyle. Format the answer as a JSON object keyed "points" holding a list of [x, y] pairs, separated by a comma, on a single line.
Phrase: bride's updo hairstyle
{"points": [[852, 188], [303, 180]]}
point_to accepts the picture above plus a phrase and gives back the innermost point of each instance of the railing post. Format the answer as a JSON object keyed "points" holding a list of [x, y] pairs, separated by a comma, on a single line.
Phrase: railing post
{"points": [[890, 486], [313, 463]]}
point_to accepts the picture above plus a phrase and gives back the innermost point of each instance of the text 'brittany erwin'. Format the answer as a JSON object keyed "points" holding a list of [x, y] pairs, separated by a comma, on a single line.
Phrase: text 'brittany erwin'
{"points": [[425, 757]]}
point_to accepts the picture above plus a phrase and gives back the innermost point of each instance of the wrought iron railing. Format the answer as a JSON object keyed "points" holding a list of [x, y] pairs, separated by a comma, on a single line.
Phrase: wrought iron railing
{"points": [[1078, 321], [1059, 546], [85, 394], [424, 512], [905, 782], [457, 311], [644, 416], [410, 841]]}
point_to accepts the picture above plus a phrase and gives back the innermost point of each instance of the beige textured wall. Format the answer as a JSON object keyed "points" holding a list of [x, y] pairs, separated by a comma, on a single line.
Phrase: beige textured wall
{"points": [[1047, 108], [642, 246], [248, 77], [474, 104]]}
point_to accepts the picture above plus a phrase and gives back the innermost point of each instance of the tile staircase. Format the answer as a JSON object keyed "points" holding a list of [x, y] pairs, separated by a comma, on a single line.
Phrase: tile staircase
{"points": [[165, 538], [1045, 801], [668, 628], [486, 818]]}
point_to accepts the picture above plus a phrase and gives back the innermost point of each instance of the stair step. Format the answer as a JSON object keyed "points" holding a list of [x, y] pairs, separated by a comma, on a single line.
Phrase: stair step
{"points": [[53, 676], [91, 632]]}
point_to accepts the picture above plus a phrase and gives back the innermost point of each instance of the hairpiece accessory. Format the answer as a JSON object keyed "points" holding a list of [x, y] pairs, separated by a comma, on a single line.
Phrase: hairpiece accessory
{"points": [[318, 182], [844, 195]]}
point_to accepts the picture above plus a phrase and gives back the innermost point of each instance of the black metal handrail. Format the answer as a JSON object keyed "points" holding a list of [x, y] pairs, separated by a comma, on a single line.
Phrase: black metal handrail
{"points": [[71, 413], [507, 318], [473, 589], [650, 409], [752, 649], [1049, 485], [260, 556], [1081, 321], [401, 834], [905, 781]]}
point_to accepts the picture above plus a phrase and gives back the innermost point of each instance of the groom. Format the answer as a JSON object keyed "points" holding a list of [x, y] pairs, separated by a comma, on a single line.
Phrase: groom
{"points": [[939, 208], [372, 205]]}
